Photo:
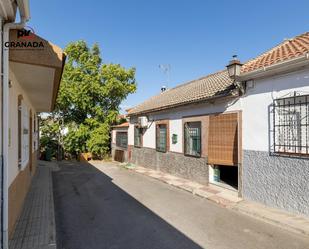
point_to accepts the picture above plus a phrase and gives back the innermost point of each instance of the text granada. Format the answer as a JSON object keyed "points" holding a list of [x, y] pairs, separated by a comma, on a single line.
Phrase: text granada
{"points": [[24, 44]]}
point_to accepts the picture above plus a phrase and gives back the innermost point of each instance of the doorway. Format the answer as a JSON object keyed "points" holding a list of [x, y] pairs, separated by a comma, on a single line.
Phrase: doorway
{"points": [[224, 176], [224, 146]]}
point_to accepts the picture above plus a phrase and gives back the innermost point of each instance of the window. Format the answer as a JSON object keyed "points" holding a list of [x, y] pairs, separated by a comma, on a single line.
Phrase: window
{"points": [[34, 145], [161, 137], [192, 137], [122, 139], [291, 125], [23, 133], [137, 136]]}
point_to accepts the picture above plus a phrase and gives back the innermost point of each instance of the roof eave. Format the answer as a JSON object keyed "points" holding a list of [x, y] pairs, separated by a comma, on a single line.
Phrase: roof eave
{"points": [[280, 67], [231, 93], [8, 10], [57, 83], [23, 6]]}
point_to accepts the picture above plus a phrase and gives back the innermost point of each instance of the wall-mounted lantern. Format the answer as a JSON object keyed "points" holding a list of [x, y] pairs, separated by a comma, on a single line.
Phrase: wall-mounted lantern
{"points": [[234, 67]]}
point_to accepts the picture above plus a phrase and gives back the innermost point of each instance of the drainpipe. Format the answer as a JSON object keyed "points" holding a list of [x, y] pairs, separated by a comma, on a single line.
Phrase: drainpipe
{"points": [[5, 124], [1, 133]]}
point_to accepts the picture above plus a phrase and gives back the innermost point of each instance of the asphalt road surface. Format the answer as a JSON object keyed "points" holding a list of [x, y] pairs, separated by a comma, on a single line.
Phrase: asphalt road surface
{"points": [[114, 208]]}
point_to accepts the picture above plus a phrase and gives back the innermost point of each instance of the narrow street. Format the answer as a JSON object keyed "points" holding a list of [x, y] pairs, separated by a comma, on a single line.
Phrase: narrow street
{"points": [[108, 207]]}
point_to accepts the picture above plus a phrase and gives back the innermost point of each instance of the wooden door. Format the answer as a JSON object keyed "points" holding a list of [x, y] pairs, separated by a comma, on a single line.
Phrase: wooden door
{"points": [[223, 139]]}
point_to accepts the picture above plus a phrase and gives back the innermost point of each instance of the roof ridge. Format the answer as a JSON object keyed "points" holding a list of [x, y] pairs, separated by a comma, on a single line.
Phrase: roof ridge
{"points": [[201, 78], [183, 84], [180, 85], [286, 40], [166, 94]]}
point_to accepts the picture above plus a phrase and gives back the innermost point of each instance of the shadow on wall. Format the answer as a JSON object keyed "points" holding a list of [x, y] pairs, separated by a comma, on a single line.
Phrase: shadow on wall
{"points": [[92, 212]]}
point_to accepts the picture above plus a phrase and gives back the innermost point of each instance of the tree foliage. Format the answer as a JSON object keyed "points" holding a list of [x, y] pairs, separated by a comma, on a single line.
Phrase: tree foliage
{"points": [[89, 97], [49, 134]]}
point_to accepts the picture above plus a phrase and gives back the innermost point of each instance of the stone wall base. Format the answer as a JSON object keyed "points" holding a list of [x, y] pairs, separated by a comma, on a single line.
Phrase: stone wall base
{"points": [[191, 168], [276, 181]]}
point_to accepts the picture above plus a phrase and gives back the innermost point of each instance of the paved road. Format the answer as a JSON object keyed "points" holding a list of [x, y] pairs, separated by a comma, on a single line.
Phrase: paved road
{"points": [[113, 208]]}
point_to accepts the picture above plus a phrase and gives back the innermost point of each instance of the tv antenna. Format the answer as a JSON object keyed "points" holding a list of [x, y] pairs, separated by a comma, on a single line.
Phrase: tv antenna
{"points": [[166, 69]]}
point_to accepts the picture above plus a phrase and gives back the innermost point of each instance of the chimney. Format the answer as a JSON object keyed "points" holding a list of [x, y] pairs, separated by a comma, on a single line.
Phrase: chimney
{"points": [[163, 89]]}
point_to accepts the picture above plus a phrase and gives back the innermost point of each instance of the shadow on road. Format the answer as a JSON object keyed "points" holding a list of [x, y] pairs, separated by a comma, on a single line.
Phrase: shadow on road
{"points": [[93, 213]]}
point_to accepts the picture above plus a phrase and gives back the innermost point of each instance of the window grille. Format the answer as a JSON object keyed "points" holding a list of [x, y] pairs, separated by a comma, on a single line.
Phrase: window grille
{"points": [[161, 137], [137, 136], [192, 131], [291, 125], [122, 139]]}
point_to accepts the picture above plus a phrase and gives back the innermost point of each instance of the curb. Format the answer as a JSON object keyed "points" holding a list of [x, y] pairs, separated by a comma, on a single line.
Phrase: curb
{"points": [[193, 190], [236, 206], [52, 227], [259, 216]]}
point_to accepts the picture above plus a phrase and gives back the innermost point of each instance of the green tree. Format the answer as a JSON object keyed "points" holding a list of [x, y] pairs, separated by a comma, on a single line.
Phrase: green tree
{"points": [[49, 134], [89, 97]]}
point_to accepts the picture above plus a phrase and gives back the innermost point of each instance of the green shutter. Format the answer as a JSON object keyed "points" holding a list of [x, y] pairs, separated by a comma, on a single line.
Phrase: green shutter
{"points": [[137, 137], [193, 138], [161, 137], [122, 139]]}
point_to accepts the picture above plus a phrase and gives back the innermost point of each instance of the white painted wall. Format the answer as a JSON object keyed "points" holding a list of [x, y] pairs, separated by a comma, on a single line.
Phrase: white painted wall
{"points": [[175, 121], [15, 90], [256, 103], [131, 131]]}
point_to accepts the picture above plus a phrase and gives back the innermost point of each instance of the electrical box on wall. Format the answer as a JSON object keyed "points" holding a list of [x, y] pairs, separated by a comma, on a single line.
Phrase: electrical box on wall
{"points": [[142, 122], [250, 84]]}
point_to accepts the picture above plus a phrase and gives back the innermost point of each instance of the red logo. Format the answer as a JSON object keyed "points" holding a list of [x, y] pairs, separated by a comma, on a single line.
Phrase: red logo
{"points": [[26, 33]]}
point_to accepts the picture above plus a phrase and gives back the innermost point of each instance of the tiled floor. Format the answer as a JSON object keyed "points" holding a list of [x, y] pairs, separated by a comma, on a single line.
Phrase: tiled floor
{"points": [[35, 227]]}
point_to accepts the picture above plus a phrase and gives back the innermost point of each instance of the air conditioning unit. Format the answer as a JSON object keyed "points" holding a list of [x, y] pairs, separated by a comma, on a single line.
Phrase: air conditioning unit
{"points": [[142, 122]]}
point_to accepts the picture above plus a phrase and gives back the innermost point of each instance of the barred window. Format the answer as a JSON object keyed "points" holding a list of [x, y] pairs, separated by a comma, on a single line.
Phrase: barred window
{"points": [[192, 137], [161, 137], [291, 125], [137, 136], [122, 139]]}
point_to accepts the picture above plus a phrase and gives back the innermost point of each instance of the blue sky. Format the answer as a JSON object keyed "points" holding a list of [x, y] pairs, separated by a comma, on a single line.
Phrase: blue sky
{"points": [[196, 37]]}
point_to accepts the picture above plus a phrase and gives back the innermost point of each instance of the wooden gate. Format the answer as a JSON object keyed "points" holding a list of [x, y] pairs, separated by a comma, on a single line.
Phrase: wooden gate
{"points": [[223, 139]]}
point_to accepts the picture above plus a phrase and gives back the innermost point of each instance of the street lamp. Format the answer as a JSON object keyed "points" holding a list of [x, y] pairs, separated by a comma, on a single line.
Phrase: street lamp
{"points": [[234, 67]]}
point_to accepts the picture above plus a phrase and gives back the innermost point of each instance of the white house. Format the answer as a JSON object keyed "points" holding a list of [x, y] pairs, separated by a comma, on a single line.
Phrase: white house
{"points": [[245, 128], [32, 69]]}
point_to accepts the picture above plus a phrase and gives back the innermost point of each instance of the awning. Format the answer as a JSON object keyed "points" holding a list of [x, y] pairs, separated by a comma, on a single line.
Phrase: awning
{"points": [[37, 65]]}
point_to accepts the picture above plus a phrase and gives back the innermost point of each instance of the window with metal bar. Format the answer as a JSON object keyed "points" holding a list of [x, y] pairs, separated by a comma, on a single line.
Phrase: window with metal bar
{"points": [[122, 139], [291, 125], [137, 136], [192, 139], [161, 137]]}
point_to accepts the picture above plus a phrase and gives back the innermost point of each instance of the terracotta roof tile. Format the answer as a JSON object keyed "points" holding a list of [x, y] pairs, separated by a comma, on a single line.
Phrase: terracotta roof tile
{"points": [[193, 91], [123, 125], [289, 49]]}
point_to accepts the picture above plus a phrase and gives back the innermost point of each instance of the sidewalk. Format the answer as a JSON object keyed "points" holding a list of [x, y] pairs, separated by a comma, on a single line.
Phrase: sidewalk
{"points": [[222, 196], [229, 199], [35, 228]]}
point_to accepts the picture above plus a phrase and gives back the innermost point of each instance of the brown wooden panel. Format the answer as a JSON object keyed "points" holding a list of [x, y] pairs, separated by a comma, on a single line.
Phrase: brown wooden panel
{"points": [[119, 156], [223, 139]]}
